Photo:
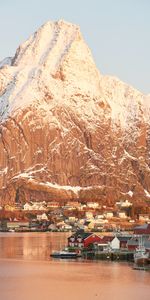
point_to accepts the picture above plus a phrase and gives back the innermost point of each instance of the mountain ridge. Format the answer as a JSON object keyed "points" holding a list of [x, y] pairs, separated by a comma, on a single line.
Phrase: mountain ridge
{"points": [[65, 124]]}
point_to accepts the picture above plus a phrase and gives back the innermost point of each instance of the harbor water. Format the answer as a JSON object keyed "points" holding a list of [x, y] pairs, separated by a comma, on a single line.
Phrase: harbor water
{"points": [[28, 273]]}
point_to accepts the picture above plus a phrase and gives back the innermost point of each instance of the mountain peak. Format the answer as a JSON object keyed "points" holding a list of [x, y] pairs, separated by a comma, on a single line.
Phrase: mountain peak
{"points": [[60, 23], [56, 53], [50, 35]]}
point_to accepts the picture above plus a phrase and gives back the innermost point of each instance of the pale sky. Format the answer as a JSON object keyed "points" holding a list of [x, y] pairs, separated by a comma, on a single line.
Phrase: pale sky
{"points": [[117, 32]]}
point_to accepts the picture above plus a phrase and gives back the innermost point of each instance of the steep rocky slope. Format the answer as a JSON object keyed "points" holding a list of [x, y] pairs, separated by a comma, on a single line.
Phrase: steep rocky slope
{"points": [[68, 132]]}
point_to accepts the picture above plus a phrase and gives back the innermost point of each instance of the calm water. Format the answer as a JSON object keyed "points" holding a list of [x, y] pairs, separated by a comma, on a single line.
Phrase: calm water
{"points": [[27, 273]]}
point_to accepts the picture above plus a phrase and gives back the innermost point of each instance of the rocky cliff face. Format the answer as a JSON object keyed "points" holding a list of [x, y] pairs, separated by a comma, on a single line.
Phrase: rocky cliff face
{"points": [[66, 131]]}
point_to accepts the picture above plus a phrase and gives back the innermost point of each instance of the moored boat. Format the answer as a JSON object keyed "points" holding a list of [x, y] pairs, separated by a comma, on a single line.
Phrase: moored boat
{"points": [[141, 256], [65, 254]]}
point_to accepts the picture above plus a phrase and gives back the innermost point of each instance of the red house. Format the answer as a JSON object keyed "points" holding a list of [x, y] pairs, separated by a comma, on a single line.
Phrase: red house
{"points": [[82, 239], [107, 239], [134, 242], [143, 229], [123, 241]]}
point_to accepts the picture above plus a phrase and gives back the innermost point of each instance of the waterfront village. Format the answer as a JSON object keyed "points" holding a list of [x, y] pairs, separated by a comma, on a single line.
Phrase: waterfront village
{"points": [[96, 230], [72, 216]]}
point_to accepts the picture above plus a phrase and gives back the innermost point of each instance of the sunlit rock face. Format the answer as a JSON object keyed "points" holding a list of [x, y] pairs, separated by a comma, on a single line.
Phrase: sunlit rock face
{"points": [[66, 131]]}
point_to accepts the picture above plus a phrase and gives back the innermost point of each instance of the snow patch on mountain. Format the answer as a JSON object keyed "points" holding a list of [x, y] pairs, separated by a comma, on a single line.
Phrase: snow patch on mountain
{"points": [[75, 189], [147, 193], [6, 61], [130, 193]]}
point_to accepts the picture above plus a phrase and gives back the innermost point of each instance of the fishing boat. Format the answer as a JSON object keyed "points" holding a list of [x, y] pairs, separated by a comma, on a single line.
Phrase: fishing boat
{"points": [[65, 254], [141, 256]]}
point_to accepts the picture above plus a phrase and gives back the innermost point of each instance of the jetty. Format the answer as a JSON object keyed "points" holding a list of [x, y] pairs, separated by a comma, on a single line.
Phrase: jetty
{"points": [[109, 255]]}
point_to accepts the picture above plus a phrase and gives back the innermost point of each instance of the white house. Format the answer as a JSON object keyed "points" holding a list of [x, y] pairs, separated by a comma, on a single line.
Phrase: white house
{"points": [[98, 217], [144, 218], [53, 205], [89, 215], [81, 207], [38, 206], [72, 219], [109, 243], [92, 205], [126, 203], [122, 215], [108, 215], [66, 227], [28, 206], [42, 217], [115, 243]]}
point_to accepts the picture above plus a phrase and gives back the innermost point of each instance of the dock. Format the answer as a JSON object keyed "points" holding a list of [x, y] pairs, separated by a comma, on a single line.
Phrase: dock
{"points": [[142, 268], [111, 255]]}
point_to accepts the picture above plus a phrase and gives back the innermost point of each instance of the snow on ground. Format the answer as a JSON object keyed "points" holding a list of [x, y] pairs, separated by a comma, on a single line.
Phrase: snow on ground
{"points": [[130, 193], [4, 171], [6, 61], [128, 155], [147, 193], [75, 189], [124, 101]]}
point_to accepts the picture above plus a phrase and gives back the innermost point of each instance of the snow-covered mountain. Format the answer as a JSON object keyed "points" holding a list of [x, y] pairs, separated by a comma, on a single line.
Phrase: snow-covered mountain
{"points": [[66, 130]]}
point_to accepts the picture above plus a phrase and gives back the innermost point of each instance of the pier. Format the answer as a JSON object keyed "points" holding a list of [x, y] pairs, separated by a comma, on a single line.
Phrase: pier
{"points": [[111, 255]]}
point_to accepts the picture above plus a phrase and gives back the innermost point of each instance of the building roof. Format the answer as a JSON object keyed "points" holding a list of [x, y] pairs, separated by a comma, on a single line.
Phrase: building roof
{"points": [[147, 244], [124, 238], [144, 226], [86, 223], [134, 241], [107, 239], [81, 233]]}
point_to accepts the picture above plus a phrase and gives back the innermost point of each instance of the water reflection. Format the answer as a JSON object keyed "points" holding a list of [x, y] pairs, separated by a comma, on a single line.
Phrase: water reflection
{"points": [[31, 246], [30, 274]]}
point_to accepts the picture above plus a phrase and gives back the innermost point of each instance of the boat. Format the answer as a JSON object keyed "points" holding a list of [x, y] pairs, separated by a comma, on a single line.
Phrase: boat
{"points": [[141, 256], [65, 254]]}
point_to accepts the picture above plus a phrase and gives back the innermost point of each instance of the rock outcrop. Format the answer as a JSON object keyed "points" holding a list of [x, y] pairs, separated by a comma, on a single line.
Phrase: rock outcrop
{"points": [[66, 131]]}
